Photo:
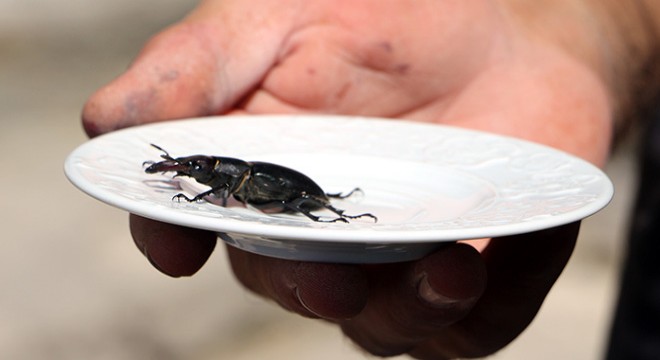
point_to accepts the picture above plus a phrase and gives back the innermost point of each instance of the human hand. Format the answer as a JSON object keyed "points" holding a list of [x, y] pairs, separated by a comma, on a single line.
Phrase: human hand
{"points": [[454, 62]]}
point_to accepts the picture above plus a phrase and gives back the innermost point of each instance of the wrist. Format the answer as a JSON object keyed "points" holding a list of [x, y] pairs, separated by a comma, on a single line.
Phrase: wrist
{"points": [[617, 40]]}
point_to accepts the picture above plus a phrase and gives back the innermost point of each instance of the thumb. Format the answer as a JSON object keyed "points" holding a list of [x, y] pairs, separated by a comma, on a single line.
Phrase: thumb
{"points": [[200, 66]]}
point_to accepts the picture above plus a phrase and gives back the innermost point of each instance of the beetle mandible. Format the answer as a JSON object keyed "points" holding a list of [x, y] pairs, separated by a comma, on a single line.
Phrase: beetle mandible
{"points": [[268, 187]]}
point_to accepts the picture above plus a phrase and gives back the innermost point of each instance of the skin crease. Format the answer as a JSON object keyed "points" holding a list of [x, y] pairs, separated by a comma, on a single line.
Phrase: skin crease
{"points": [[457, 62]]}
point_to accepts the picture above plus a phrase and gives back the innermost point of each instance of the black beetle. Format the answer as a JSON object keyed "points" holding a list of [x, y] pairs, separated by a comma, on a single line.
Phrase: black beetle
{"points": [[268, 187]]}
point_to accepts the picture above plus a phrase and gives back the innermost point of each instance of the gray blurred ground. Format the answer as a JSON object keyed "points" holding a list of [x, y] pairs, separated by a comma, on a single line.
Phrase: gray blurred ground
{"points": [[72, 284]]}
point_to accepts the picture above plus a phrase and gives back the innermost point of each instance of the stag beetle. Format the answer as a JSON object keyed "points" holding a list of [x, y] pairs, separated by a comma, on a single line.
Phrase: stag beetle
{"points": [[268, 187]]}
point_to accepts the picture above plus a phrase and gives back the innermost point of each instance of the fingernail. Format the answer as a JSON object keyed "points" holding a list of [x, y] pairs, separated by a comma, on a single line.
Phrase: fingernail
{"points": [[304, 305], [428, 294]]}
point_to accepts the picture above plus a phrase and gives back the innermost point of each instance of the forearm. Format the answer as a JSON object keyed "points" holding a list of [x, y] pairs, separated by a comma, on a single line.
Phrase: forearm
{"points": [[618, 39]]}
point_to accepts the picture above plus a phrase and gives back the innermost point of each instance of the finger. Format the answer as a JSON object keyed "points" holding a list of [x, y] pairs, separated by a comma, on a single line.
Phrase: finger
{"points": [[174, 250], [410, 302], [173, 77], [521, 272], [200, 66], [319, 290]]}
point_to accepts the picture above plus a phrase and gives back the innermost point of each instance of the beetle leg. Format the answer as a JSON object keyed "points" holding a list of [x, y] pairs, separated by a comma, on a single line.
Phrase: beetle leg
{"points": [[201, 196], [341, 212], [369, 215], [224, 196], [344, 216], [340, 196], [194, 199], [178, 197], [296, 205]]}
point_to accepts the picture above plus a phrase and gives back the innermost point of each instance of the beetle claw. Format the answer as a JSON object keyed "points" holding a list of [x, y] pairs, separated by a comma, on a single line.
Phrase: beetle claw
{"points": [[361, 216], [178, 197]]}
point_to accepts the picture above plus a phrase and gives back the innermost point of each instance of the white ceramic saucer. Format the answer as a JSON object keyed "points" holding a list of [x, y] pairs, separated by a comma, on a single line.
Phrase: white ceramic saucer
{"points": [[427, 184]]}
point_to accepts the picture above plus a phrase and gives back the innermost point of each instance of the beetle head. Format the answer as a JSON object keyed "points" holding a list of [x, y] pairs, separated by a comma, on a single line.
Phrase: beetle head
{"points": [[199, 167]]}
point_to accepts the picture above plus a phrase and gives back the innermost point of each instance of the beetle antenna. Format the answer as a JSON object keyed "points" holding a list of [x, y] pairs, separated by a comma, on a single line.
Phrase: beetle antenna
{"points": [[165, 155]]}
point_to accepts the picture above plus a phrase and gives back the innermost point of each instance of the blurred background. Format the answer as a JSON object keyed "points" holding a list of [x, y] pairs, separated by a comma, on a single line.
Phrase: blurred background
{"points": [[73, 285]]}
